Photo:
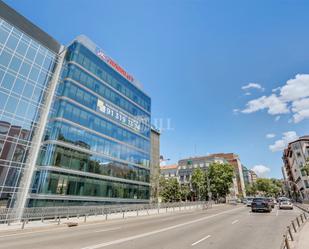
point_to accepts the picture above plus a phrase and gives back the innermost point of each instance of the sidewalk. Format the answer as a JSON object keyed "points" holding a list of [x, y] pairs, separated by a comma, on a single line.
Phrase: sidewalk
{"points": [[54, 224], [303, 238]]}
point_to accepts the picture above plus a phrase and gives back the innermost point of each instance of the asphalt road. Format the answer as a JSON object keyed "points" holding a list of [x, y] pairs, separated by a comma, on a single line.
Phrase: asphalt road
{"points": [[222, 227]]}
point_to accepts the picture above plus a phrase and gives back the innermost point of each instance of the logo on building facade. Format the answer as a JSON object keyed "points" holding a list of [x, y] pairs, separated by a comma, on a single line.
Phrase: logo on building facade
{"points": [[113, 64]]}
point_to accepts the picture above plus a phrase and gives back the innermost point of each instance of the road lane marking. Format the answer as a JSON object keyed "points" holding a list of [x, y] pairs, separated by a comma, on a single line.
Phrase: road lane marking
{"points": [[195, 243], [26, 233], [234, 222], [142, 235], [106, 230]]}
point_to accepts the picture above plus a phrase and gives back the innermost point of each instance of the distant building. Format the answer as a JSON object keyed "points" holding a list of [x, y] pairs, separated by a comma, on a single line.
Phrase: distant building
{"points": [[252, 176], [246, 174], [294, 159], [154, 163], [169, 171], [187, 166], [285, 183], [234, 160]]}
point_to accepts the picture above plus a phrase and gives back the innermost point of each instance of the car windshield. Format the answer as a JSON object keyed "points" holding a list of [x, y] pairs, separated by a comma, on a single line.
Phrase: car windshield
{"points": [[259, 199]]}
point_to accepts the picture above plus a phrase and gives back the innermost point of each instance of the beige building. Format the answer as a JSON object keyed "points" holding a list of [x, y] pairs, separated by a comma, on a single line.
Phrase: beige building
{"points": [[252, 176], [186, 166], [169, 171], [294, 159], [234, 160]]}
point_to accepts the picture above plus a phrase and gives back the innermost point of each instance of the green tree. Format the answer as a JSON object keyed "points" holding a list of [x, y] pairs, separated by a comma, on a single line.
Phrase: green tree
{"points": [[220, 178], [185, 192], [269, 187], [263, 185], [169, 190], [277, 187], [198, 182], [251, 189]]}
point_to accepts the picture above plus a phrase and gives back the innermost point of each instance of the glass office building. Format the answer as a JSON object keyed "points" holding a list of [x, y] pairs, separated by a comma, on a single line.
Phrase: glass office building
{"points": [[74, 125], [96, 147], [28, 58]]}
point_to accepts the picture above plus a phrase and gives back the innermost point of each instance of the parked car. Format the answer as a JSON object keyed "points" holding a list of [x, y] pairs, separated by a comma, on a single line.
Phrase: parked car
{"points": [[249, 201], [285, 204], [261, 204], [271, 202], [282, 198]]}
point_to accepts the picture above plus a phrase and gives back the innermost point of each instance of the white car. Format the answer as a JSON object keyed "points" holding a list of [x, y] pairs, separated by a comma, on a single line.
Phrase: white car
{"points": [[249, 201], [285, 204]]}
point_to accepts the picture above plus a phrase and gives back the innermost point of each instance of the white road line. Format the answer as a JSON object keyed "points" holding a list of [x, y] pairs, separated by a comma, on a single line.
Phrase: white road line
{"points": [[119, 241], [26, 233], [106, 230], [234, 222], [195, 243]]}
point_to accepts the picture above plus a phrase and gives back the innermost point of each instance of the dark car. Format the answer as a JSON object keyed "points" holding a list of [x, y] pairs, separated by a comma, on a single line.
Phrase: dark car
{"points": [[261, 204], [271, 201]]}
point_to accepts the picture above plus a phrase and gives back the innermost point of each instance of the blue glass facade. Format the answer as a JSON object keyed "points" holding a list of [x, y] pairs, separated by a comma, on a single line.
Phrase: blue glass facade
{"points": [[97, 141], [26, 69], [74, 126]]}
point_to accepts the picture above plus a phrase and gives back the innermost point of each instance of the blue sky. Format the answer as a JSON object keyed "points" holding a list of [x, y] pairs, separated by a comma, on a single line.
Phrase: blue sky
{"points": [[193, 57]]}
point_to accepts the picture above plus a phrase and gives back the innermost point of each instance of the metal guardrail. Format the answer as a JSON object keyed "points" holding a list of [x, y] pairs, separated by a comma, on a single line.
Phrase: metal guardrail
{"points": [[9, 216], [293, 228]]}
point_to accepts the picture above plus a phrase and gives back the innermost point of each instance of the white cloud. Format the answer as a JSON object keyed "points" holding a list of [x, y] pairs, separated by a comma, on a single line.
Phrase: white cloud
{"points": [[276, 89], [252, 85], [293, 97], [261, 170], [296, 88], [270, 135], [300, 109], [280, 144], [272, 103], [247, 94], [277, 118], [236, 111]]}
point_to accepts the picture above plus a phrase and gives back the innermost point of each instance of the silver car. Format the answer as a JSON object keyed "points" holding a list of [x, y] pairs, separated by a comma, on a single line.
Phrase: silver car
{"points": [[249, 201], [285, 204]]}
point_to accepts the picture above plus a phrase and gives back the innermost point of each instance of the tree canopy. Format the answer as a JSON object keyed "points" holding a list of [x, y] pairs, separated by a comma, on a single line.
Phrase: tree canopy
{"points": [[169, 190], [220, 178], [264, 186], [198, 182]]}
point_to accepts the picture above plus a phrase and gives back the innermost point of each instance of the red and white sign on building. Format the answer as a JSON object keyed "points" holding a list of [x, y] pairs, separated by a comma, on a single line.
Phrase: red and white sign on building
{"points": [[113, 64]]}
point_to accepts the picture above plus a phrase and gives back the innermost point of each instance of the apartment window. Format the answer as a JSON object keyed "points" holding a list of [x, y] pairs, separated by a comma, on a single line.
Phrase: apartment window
{"points": [[303, 172]]}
